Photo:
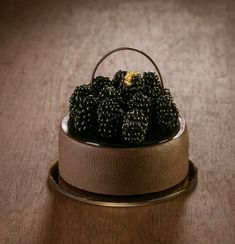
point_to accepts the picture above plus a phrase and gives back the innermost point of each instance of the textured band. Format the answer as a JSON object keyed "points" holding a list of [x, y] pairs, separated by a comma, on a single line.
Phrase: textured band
{"points": [[123, 171]]}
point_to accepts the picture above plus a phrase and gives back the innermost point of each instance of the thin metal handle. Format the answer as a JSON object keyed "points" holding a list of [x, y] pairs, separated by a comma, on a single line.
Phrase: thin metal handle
{"points": [[131, 49]]}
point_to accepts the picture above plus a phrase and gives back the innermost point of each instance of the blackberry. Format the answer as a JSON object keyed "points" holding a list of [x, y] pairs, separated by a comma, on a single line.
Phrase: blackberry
{"points": [[127, 93], [109, 92], [85, 116], [163, 101], [134, 127], [118, 78], [98, 83], [153, 93], [152, 85], [167, 114], [79, 93], [150, 79], [163, 113], [109, 120], [132, 84], [167, 94], [139, 101]]}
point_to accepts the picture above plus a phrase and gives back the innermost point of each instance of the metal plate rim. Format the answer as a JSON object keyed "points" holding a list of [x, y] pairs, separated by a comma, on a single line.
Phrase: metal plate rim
{"points": [[133, 201]]}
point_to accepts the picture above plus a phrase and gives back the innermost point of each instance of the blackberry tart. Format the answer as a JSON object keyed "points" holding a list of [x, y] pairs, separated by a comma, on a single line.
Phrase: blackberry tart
{"points": [[123, 136]]}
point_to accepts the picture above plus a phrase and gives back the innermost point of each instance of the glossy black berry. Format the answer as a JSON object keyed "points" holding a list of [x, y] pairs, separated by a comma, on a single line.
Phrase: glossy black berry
{"points": [[167, 94], [167, 114], [109, 120], [139, 101], [131, 84], [109, 92], [119, 78], [85, 116], [134, 127], [79, 93], [98, 83], [151, 79], [152, 85]]}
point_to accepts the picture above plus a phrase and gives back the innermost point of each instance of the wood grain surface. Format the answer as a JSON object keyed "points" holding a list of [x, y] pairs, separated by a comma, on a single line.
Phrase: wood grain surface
{"points": [[48, 47]]}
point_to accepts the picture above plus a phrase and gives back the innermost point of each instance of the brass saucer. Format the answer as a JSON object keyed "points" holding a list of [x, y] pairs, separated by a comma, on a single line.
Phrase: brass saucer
{"points": [[121, 201]]}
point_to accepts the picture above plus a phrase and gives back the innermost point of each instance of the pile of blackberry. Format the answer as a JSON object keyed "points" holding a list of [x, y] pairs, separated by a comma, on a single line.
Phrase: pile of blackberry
{"points": [[130, 109]]}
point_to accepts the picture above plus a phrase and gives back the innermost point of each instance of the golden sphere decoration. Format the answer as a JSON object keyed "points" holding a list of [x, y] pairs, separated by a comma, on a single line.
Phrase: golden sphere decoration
{"points": [[129, 77]]}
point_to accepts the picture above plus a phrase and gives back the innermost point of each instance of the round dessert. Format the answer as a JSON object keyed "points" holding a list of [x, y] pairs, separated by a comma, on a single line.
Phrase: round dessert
{"points": [[123, 136]]}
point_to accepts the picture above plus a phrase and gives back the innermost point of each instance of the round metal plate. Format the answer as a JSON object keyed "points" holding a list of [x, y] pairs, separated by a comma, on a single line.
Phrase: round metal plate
{"points": [[122, 201]]}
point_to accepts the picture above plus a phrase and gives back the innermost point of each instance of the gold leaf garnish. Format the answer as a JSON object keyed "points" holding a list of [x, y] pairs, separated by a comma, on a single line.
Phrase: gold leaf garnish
{"points": [[129, 77]]}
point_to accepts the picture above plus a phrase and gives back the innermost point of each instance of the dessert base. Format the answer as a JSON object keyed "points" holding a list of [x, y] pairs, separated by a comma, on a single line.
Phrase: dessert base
{"points": [[69, 191], [119, 171]]}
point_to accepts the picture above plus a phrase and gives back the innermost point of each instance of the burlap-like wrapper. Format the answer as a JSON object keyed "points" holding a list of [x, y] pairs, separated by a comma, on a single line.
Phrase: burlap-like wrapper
{"points": [[123, 171]]}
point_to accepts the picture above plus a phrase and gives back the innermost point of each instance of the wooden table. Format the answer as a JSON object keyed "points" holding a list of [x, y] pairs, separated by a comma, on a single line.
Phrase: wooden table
{"points": [[48, 47]]}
